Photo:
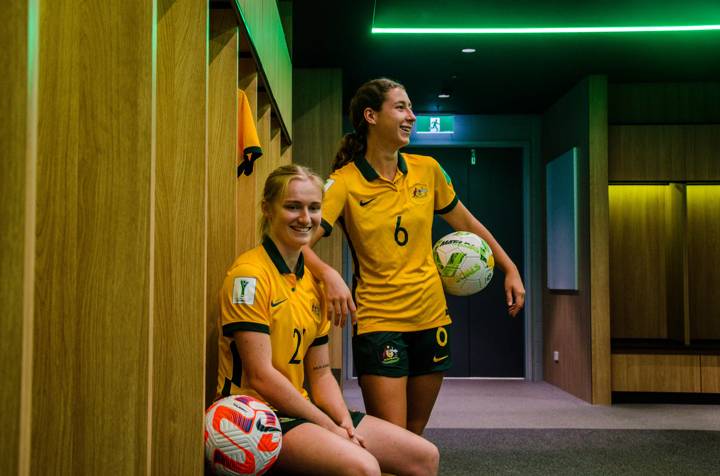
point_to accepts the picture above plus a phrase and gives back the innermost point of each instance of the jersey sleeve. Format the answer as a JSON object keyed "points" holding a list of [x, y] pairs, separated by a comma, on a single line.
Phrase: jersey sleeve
{"points": [[324, 325], [445, 197], [333, 201], [244, 301]]}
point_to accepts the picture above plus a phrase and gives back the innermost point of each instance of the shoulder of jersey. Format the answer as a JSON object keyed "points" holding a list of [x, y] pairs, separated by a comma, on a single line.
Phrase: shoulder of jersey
{"points": [[344, 170], [249, 262], [421, 160], [417, 158]]}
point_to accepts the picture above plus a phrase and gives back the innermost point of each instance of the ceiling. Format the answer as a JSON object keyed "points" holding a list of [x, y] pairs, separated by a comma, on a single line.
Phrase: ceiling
{"points": [[508, 74]]}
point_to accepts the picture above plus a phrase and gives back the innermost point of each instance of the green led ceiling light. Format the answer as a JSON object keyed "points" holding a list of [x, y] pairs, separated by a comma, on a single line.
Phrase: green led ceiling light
{"points": [[501, 31], [488, 17]]}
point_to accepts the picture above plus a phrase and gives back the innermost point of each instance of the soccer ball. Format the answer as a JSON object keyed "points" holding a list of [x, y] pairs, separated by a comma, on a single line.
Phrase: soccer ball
{"points": [[465, 263], [242, 436]]}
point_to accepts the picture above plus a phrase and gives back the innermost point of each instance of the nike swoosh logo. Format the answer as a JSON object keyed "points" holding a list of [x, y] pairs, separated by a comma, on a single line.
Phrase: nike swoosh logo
{"points": [[365, 202], [439, 359], [277, 303]]}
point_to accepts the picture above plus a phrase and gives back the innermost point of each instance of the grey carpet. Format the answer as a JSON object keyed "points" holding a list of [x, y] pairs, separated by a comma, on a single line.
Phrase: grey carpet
{"points": [[576, 452]]}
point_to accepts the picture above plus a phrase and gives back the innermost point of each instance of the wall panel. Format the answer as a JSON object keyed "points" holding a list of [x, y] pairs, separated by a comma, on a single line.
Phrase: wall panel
{"points": [[710, 370], [638, 261], [318, 129], [266, 163], [93, 201], [703, 152], [641, 152], [664, 103], [567, 325], [246, 194], [262, 21], [703, 232], [178, 325], [17, 244], [655, 373], [599, 240], [222, 140]]}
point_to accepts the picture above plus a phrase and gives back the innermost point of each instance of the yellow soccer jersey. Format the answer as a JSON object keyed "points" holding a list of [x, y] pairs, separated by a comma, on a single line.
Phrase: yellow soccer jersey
{"points": [[261, 294], [388, 224]]}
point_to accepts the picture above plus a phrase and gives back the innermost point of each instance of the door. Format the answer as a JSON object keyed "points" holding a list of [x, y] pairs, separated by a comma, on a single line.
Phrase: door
{"points": [[486, 341]]}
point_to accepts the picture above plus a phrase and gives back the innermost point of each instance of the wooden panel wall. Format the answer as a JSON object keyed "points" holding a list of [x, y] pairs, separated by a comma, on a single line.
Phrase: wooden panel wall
{"points": [[637, 261], [16, 194], [641, 152], [676, 263], [264, 27], [246, 193], [268, 161], [567, 316], [222, 161], [656, 373], [710, 370], [664, 103], [599, 240], [178, 325], [92, 286], [104, 204], [703, 152], [703, 231], [318, 129], [664, 152]]}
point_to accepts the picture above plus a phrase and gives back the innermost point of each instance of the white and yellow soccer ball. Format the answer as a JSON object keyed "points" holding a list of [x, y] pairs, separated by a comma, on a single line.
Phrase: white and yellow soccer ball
{"points": [[465, 263], [242, 436]]}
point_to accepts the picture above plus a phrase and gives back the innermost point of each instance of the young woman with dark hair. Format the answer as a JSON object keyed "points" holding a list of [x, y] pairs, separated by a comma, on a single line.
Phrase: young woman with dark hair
{"points": [[385, 201]]}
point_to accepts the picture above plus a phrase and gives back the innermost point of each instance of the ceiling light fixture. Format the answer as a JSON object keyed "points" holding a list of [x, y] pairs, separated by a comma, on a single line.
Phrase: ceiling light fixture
{"points": [[444, 95], [505, 31], [468, 50]]}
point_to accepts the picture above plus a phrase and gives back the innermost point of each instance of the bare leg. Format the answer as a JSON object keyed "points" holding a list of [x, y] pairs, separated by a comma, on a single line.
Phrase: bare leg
{"points": [[422, 391], [385, 398], [397, 450], [311, 449]]}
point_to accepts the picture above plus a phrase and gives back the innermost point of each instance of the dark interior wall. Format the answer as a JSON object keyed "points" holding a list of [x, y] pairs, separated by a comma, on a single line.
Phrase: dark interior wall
{"points": [[566, 315], [664, 103], [512, 131]]}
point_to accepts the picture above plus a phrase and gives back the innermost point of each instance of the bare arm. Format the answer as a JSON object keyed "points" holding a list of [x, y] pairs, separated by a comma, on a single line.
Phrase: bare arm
{"points": [[339, 296], [325, 390], [461, 219], [256, 355]]}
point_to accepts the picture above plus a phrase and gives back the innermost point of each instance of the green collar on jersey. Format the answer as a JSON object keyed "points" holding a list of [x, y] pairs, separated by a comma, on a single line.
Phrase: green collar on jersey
{"points": [[278, 260], [370, 174]]}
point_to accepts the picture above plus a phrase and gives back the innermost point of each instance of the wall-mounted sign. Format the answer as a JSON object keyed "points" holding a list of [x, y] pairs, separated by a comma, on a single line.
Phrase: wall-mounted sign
{"points": [[435, 124]]}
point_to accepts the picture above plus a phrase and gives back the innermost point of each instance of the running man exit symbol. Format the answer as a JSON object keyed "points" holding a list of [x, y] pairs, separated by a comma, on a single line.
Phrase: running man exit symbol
{"points": [[434, 124]]}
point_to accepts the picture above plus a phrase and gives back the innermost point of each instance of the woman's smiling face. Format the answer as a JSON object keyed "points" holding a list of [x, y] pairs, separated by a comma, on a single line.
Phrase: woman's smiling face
{"points": [[295, 218], [395, 119]]}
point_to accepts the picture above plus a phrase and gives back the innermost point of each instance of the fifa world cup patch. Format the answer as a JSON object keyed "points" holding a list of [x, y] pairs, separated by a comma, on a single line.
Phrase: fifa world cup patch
{"points": [[389, 355], [244, 290], [316, 309]]}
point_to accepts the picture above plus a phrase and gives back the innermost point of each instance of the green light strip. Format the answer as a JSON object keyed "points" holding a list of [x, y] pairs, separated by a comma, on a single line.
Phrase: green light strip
{"points": [[501, 31]]}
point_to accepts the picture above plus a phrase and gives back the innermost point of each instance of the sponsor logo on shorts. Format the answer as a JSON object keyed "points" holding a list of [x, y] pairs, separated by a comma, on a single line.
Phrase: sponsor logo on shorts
{"points": [[389, 355], [437, 359]]}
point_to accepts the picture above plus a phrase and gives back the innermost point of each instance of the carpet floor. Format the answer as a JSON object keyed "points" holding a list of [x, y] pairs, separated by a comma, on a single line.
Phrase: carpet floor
{"points": [[576, 452]]}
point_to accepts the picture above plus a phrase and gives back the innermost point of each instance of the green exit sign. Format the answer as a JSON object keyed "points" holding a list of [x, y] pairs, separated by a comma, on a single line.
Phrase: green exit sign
{"points": [[435, 124]]}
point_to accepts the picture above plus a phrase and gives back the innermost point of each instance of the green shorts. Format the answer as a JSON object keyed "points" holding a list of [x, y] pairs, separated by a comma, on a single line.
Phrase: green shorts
{"points": [[288, 423], [400, 354]]}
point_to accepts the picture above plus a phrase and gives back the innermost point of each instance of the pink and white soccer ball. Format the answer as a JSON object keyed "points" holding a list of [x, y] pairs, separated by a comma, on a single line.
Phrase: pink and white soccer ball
{"points": [[242, 436]]}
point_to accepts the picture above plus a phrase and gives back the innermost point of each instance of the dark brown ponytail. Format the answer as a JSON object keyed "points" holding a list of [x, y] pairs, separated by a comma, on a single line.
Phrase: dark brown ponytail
{"points": [[372, 95]]}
